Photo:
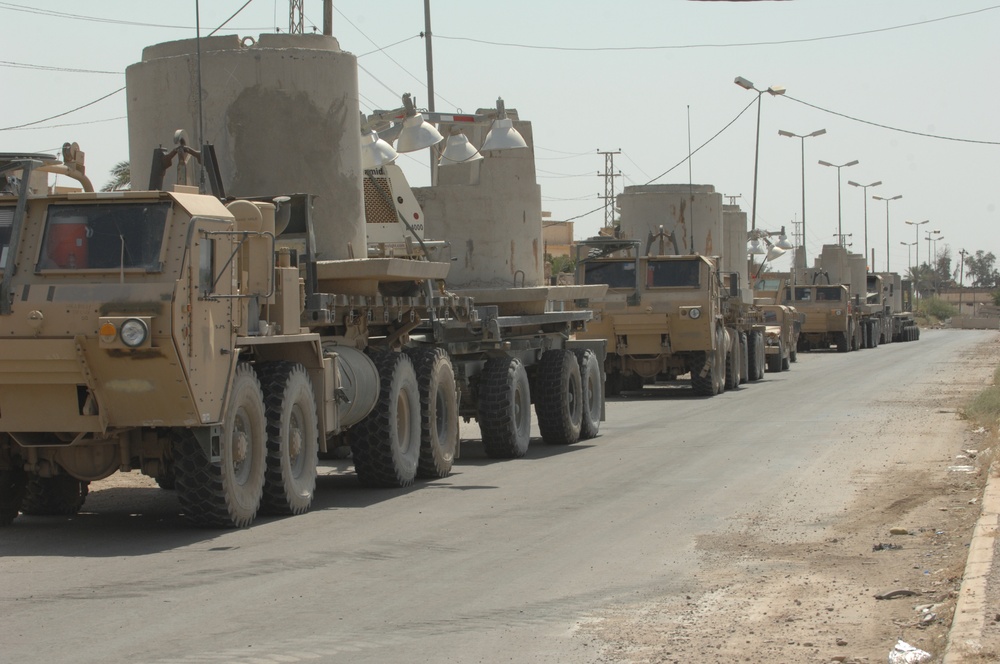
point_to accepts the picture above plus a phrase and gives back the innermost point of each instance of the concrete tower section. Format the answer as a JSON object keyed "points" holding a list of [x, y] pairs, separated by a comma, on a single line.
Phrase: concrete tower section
{"points": [[281, 111], [734, 253], [692, 212], [491, 212]]}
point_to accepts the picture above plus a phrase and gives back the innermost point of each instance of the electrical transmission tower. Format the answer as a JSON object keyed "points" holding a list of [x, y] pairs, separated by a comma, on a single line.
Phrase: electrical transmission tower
{"points": [[295, 17], [609, 186]]}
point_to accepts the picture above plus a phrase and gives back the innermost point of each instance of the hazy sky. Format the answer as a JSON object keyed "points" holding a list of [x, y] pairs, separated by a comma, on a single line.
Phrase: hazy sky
{"points": [[614, 75]]}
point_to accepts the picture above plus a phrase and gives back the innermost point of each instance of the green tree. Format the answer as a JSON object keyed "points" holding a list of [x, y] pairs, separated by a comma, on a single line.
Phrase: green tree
{"points": [[121, 177], [981, 269]]}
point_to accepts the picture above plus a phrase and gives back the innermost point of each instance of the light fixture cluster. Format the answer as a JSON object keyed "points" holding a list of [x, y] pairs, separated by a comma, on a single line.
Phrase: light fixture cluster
{"points": [[417, 132]]}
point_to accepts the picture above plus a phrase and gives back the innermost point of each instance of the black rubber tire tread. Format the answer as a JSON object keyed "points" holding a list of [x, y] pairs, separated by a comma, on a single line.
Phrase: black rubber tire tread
{"points": [[559, 397], [385, 456], [786, 363], [732, 362], [744, 359], [290, 408], [504, 408], [166, 480], [13, 483], [438, 405], [593, 392], [756, 367], [61, 495], [210, 494], [843, 344], [793, 355], [774, 361], [703, 386]]}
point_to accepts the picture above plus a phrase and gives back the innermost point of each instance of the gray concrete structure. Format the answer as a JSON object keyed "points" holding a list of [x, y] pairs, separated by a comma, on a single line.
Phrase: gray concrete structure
{"points": [[491, 212], [283, 115], [692, 212]]}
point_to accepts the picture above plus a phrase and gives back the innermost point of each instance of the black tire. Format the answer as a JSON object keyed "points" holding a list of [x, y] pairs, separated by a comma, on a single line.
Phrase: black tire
{"points": [[167, 479], [61, 495], [774, 361], [786, 362], [504, 408], [755, 343], [843, 343], [13, 483], [385, 445], [227, 493], [613, 383], [292, 438], [855, 340], [438, 411], [704, 385], [733, 360], [865, 330], [559, 397], [744, 358], [593, 393]]}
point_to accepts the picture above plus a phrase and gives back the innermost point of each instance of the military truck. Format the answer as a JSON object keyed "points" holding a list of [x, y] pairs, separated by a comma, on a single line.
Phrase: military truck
{"points": [[781, 335], [170, 333], [896, 295], [830, 317], [664, 317]]}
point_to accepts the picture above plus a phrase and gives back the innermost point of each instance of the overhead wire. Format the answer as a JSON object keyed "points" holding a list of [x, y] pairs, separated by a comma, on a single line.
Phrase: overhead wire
{"points": [[59, 115], [22, 65], [96, 19]]}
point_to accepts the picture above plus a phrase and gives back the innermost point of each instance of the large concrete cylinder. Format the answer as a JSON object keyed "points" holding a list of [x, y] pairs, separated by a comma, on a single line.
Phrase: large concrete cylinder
{"points": [[734, 253], [692, 212], [491, 213], [282, 113]]}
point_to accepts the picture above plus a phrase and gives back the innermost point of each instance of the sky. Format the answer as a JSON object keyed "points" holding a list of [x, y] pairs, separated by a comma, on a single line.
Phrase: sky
{"points": [[903, 86]]}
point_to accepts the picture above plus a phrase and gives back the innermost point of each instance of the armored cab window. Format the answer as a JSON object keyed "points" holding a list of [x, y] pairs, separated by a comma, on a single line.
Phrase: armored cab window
{"points": [[771, 317], [803, 295], [614, 273], [6, 224], [103, 236], [828, 294], [673, 274], [206, 267]]}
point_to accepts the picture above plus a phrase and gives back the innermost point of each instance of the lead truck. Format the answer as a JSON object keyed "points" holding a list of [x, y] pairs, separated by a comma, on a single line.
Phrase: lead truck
{"points": [[196, 341]]}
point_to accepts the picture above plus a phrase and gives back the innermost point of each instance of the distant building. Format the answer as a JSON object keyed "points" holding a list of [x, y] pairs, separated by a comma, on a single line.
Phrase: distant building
{"points": [[557, 236]]}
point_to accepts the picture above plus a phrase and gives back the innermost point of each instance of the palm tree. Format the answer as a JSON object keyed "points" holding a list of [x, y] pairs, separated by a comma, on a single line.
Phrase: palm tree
{"points": [[121, 177]]}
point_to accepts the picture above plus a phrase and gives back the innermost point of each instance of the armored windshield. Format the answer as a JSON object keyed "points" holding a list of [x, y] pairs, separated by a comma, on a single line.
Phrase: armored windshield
{"points": [[614, 273], [829, 293], [673, 273], [103, 236]]}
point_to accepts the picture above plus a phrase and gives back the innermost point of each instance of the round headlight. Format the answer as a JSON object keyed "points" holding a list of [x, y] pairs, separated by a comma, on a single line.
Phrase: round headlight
{"points": [[134, 332], [695, 314]]}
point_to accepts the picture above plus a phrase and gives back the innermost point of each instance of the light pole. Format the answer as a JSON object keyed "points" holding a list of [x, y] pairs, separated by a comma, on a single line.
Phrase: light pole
{"points": [[865, 197], [894, 198], [802, 141], [840, 230], [909, 254], [916, 234], [774, 90], [930, 256]]}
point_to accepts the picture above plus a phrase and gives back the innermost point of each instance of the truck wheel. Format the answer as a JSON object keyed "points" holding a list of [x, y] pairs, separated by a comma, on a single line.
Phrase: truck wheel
{"points": [[774, 361], [504, 408], [590, 375], [855, 332], [704, 385], [438, 411], [166, 480], [744, 358], [843, 343], [755, 347], [733, 360], [559, 397], [51, 496], [292, 438], [228, 493], [386, 444], [12, 488], [786, 362]]}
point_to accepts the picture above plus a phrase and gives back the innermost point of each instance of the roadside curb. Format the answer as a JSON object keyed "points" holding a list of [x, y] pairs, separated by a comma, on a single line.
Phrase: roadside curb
{"points": [[970, 609]]}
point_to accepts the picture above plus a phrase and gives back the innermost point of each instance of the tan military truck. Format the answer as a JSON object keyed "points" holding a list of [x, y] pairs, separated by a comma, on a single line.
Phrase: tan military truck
{"points": [[170, 333], [783, 325], [663, 317], [830, 317]]}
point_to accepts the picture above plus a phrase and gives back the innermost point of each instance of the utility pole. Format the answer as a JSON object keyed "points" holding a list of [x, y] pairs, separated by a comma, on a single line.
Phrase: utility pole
{"points": [[609, 186], [961, 279]]}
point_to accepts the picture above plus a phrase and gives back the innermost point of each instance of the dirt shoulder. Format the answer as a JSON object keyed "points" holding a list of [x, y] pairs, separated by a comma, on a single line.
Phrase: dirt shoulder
{"points": [[773, 593]]}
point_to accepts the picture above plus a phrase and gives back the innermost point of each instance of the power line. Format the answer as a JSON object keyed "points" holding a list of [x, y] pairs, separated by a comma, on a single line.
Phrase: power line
{"points": [[96, 19], [230, 18], [732, 45], [22, 65], [59, 115], [882, 126], [68, 124]]}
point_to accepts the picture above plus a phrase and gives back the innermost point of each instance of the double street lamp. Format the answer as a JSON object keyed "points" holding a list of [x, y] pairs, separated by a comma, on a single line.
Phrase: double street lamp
{"points": [[802, 141], [909, 253], [932, 255], [774, 90], [865, 197], [894, 198], [916, 235], [840, 230]]}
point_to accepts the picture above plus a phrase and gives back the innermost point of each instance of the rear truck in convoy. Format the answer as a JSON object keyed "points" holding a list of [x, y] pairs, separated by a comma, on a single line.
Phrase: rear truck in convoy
{"points": [[830, 317], [170, 333], [665, 316]]}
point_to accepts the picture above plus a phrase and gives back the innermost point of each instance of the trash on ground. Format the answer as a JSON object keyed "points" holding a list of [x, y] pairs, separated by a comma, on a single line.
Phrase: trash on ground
{"points": [[882, 546], [962, 469], [893, 594], [904, 653]]}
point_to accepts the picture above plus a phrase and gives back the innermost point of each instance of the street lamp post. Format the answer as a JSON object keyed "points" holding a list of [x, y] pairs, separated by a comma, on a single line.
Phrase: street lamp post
{"points": [[774, 90], [894, 198], [865, 197], [916, 234], [909, 254], [802, 141], [932, 255], [840, 230]]}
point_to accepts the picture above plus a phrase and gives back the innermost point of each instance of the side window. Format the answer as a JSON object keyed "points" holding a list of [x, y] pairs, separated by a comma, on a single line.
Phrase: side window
{"points": [[6, 225], [206, 266]]}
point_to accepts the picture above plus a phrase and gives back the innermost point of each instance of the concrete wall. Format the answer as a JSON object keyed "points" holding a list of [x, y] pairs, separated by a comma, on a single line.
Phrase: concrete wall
{"points": [[734, 254], [491, 212], [692, 212], [283, 115]]}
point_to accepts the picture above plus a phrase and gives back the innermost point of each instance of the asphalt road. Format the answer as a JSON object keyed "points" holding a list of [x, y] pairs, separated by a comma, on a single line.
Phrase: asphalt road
{"points": [[501, 562]]}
